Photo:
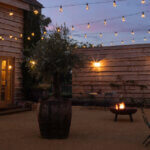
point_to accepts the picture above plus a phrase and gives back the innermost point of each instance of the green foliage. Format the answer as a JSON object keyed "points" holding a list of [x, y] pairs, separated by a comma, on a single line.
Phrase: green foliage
{"points": [[55, 58], [32, 24]]}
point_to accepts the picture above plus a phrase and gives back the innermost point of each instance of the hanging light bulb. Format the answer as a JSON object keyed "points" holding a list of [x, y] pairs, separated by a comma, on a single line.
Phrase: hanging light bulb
{"points": [[116, 33], [70, 37], [114, 4], [16, 38], [111, 43], [36, 12], [143, 15], [87, 6], [105, 22], [42, 38], [85, 36], [145, 39], [28, 38], [60, 9], [122, 42], [10, 36], [72, 28], [143, 1], [132, 32], [11, 13], [33, 34], [45, 33], [58, 29], [1, 37], [88, 26], [133, 40], [101, 35], [123, 19], [21, 35], [148, 31]]}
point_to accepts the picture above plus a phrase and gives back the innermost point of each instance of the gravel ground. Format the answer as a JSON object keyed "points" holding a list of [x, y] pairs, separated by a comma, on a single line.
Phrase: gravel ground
{"points": [[92, 129]]}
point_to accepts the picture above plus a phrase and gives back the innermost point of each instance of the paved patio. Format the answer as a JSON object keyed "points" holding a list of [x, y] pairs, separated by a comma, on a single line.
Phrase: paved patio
{"points": [[92, 129]]}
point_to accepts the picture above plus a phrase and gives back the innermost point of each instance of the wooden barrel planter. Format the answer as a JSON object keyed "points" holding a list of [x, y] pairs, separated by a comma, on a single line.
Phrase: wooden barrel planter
{"points": [[55, 118]]}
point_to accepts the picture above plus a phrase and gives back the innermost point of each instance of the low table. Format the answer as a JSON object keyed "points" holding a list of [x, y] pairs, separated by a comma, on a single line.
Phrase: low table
{"points": [[127, 111]]}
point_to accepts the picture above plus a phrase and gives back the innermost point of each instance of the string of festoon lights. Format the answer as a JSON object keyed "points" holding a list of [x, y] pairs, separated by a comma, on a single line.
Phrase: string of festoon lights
{"points": [[87, 5], [105, 21], [85, 35]]}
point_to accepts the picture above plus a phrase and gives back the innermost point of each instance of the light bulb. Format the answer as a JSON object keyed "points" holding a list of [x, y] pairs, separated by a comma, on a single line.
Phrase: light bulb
{"points": [[88, 26], [72, 28], [148, 31], [133, 40], [36, 12], [33, 34], [44, 32], [122, 42], [16, 38], [10, 36], [105, 22], [132, 32], [114, 4], [58, 29], [116, 33], [60, 8], [143, 1], [11, 13], [145, 39], [143, 15], [21, 35], [28, 38], [42, 38], [87, 6], [123, 19], [101, 35]]}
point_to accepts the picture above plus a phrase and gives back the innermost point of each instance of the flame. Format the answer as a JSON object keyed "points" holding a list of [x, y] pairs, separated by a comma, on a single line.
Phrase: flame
{"points": [[120, 106]]}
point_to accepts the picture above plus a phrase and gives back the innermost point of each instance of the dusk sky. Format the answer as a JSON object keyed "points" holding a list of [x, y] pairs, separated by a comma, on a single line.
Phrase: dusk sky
{"points": [[79, 17]]}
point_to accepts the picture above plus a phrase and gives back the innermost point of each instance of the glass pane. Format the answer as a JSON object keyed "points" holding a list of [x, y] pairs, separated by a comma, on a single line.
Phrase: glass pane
{"points": [[3, 64]]}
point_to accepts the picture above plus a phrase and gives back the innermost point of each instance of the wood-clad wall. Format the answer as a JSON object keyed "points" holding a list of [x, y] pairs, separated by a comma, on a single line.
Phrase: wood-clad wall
{"points": [[12, 25], [118, 64]]}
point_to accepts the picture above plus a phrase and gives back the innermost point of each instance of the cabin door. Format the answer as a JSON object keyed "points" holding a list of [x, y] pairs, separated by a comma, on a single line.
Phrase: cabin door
{"points": [[6, 78]]}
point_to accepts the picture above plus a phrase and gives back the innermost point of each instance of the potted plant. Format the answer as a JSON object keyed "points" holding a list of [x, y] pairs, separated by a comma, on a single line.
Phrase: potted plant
{"points": [[53, 58]]}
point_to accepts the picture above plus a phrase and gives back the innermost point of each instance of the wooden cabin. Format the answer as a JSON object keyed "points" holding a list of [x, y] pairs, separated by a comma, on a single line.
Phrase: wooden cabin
{"points": [[11, 46], [123, 71]]}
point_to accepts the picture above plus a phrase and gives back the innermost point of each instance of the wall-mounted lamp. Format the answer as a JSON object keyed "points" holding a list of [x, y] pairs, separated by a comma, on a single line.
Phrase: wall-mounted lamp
{"points": [[96, 64]]}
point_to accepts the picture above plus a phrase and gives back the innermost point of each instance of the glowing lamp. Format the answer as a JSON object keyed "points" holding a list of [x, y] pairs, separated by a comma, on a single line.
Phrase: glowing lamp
{"points": [[28, 38], [114, 4], [88, 26], [11, 13], [96, 64], [32, 62], [60, 9], [73, 28], [9, 67], [10, 36], [105, 22], [33, 34], [87, 6], [36, 12], [143, 1], [123, 19], [21, 35], [143, 15]]}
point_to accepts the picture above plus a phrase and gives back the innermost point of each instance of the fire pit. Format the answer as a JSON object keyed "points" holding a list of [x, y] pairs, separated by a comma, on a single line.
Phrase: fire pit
{"points": [[121, 109]]}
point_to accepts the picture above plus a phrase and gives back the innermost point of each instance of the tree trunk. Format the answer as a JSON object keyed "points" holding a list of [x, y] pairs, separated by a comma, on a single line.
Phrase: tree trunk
{"points": [[56, 86]]}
